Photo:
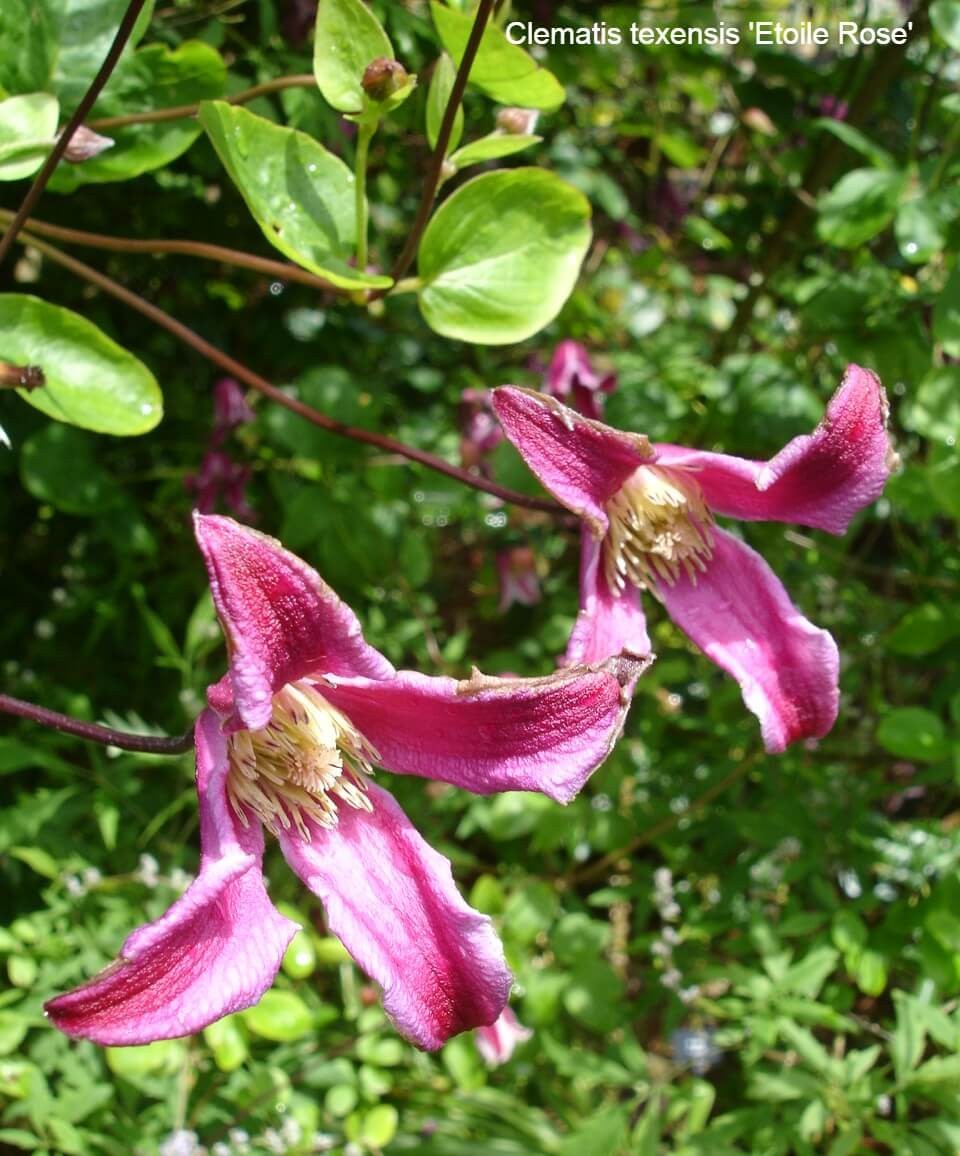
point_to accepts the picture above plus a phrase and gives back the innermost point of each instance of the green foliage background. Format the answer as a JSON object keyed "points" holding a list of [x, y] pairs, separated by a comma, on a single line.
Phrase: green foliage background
{"points": [[747, 246]]}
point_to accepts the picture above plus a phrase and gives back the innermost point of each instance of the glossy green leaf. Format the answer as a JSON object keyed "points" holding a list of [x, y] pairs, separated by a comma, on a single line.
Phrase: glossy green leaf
{"points": [[946, 315], [300, 195], [859, 206], [85, 30], [501, 70], [912, 732], [28, 33], [918, 230], [492, 147], [501, 256], [280, 1016], [28, 127], [347, 37], [441, 84], [945, 17], [153, 78], [90, 380], [58, 465]]}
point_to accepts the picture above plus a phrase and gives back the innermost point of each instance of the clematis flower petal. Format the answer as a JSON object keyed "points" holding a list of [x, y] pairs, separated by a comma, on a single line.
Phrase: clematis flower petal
{"points": [[820, 479], [215, 951], [581, 462], [497, 1043], [392, 900], [606, 625], [493, 734], [282, 621], [740, 616]]}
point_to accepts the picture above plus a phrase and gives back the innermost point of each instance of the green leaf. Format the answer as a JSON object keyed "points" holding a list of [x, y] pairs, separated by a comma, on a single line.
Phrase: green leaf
{"points": [[945, 17], [161, 1057], [491, 147], [300, 195], [501, 70], [226, 1041], [859, 206], [441, 84], [347, 37], [90, 380], [154, 78], [37, 860], [934, 408], [923, 630], [28, 127], [280, 1016], [601, 1135], [946, 315], [501, 256], [855, 139], [28, 33], [918, 230], [911, 732], [59, 465], [380, 1126], [85, 30], [909, 1038], [871, 973], [939, 1070]]}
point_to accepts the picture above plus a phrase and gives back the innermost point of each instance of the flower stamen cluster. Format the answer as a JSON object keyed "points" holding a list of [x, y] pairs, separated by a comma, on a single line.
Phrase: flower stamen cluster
{"points": [[659, 522], [309, 758]]}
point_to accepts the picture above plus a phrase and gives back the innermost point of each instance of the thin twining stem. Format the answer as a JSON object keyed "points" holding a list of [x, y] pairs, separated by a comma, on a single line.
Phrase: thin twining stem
{"points": [[435, 166], [281, 270], [89, 98], [93, 732], [185, 111], [243, 373]]}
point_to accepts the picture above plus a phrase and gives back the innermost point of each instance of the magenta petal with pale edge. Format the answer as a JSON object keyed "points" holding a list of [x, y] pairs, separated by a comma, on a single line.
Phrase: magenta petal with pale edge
{"points": [[820, 479], [391, 899], [740, 616], [581, 462], [282, 621], [215, 951], [606, 624], [493, 734]]}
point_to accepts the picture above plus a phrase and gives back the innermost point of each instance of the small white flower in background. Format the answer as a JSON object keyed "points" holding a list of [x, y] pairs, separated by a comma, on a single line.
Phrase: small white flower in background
{"points": [[148, 872], [4, 440], [181, 1143], [497, 1043]]}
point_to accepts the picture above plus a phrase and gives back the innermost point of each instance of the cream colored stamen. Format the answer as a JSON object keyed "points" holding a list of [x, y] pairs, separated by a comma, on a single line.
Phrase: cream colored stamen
{"points": [[307, 761], [659, 523]]}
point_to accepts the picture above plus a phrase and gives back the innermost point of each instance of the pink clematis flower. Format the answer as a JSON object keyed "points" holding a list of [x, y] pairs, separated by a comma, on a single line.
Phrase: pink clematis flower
{"points": [[572, 378], [517, 571], [497, 1043], [648, 523], [287, 746]]}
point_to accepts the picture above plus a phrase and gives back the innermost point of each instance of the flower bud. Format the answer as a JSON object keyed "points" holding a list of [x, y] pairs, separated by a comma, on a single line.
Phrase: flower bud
{"points": [[383, 77], [21, 376], [85, 144], [517, 121]]}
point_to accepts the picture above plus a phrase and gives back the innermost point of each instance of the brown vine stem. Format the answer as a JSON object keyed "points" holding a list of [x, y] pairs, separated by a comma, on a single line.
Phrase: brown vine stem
{"points": [[435, 166], [89, 98], [184, 111], [93, 732], [268, 389], [281, 270]]}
